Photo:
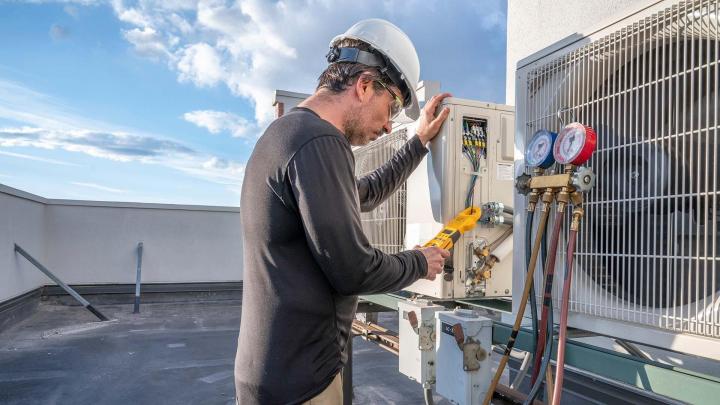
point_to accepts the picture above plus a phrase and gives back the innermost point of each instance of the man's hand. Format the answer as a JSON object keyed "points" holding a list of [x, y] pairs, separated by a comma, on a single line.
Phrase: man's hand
{"points": [[435, 260], [429, 124]]}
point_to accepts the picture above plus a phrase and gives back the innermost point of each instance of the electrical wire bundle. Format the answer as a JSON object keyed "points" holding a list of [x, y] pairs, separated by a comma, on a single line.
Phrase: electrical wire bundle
{"points": [[473, 141]]}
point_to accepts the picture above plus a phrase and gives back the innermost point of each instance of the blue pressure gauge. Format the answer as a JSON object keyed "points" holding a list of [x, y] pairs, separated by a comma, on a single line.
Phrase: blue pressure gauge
{"points": [[539, 152]]}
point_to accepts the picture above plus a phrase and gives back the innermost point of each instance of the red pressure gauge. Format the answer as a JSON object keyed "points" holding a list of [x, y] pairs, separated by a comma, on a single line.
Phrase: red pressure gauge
{"points": [[575, 144]]}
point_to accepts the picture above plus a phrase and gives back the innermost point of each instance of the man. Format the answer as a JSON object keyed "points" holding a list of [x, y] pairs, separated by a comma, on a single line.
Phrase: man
{"points": [[306, 257]]}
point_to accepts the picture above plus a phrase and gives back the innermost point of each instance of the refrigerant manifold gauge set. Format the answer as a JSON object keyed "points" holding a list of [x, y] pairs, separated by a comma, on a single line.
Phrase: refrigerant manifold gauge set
{"points": [[571, 147]]}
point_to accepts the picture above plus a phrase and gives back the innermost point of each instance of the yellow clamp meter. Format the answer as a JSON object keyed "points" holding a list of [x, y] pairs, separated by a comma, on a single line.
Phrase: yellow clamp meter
{"points": [[450, 234]]}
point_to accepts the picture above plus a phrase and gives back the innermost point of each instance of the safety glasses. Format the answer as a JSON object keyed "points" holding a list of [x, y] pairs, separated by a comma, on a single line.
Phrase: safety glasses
{"points": [[397, 103]]}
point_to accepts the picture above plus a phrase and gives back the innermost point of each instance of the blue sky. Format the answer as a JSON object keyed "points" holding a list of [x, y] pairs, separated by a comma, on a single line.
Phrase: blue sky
{"points": [[162, 101]]}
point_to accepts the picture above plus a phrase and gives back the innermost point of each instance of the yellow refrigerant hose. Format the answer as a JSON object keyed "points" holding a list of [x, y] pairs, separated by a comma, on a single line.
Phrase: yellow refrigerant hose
{"points": [[547, 200]]}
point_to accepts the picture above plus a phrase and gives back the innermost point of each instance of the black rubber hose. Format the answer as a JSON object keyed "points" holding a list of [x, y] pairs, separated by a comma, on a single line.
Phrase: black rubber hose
{"points": [[547, 352], [547, 292], [547, 355], [544, 253]]}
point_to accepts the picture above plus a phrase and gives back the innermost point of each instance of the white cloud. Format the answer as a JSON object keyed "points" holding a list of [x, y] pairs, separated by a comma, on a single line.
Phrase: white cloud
{"points": [[58, 32], [180, 24], [23, 105], [52, 125], [130, 15], [118, 146], [37, 158], [80, 2], [125, 147], [72, 11], [99, 187], [147, 42], [217, 170], [251, 46], [200, 64], [492, 14], [218, 121], [256, 46], [216, 163]]}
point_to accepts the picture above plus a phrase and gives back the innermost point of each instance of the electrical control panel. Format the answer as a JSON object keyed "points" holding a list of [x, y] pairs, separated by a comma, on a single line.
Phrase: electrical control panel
{"points": [[470, 163]]}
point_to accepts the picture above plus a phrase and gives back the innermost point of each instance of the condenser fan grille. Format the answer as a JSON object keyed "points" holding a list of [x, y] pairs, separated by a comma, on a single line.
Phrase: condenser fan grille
{"points": [[385, 225], [648, 248]]}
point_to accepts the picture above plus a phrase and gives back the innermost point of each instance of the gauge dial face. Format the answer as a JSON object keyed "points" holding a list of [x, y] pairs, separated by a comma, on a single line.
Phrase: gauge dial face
{"points": [[570, 143], [539, 151]]}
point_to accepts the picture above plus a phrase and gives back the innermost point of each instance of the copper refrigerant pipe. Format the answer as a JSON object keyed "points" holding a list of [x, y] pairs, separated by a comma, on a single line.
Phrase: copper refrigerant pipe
{"points": [[557, 392], [547, 200]]}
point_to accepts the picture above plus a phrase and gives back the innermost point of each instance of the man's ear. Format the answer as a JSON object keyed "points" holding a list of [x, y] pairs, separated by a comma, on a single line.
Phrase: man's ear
{"points": [[363, 89]]}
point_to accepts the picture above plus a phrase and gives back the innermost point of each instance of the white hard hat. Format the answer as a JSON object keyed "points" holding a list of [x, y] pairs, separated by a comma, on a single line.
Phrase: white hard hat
{"points": [[396, 47]]}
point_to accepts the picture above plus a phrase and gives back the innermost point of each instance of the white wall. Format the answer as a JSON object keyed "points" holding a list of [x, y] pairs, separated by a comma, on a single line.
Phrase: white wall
{"points": [[22, 221], [287, 100], [533, 25], [86, 242]]}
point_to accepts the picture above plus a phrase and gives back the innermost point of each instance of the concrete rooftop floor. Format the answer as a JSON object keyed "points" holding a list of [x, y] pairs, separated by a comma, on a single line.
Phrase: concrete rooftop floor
{"points": [[183, 353], [171, 353]]}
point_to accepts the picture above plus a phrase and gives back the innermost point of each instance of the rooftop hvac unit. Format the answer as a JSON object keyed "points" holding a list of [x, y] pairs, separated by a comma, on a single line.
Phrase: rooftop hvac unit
{"points": [[385, 225], [437, 190], [647, 266]]}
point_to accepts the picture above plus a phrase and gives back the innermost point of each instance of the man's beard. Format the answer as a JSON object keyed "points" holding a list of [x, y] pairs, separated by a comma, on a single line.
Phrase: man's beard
{"points": [[353, 128]]}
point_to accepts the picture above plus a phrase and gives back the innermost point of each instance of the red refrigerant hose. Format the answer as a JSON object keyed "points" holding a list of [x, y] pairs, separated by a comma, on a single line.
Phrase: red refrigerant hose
{"points": [[562, 339]]}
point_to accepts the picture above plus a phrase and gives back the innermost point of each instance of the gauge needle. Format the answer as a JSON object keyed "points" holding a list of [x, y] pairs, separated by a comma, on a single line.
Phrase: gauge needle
{"points": [[539, 149], [568, 147]]}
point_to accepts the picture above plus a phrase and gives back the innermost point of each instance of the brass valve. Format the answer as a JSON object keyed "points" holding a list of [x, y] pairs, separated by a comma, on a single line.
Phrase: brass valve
{"points": [[523, 185], [581, 179], [578, 213], [547, 198], [533, 198], [486, 271], [481, 251], [563, 197]]}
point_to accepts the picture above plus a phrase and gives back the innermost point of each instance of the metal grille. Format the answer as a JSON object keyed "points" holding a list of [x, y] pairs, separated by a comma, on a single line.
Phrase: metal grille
{"points": [[648, 248], [385, 225]]}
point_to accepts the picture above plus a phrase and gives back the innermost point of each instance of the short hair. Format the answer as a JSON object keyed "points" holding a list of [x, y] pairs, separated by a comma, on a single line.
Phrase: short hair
{"points": [[338, 76]]}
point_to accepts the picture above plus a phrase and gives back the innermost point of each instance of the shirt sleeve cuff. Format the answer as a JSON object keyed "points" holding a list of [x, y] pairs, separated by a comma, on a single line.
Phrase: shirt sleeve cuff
{"points": [[422, 261], [417, 146]]}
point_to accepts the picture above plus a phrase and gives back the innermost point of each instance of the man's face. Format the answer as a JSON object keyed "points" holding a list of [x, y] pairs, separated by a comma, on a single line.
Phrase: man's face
{"points": [[370, 120]]}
